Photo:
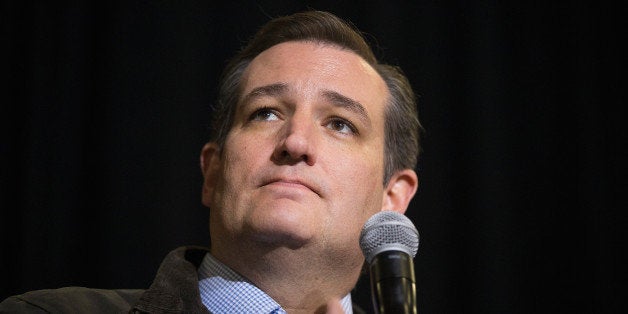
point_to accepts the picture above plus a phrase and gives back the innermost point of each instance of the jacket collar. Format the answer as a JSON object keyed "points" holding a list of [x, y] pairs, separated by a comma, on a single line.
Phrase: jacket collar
{"points": [[175, 288]]}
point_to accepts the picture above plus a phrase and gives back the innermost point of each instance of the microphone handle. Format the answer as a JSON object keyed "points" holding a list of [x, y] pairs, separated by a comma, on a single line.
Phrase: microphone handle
{"points": [[392, 283]]}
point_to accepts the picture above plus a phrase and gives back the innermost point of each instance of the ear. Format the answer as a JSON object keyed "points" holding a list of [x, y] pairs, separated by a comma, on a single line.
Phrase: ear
{"points": [[399, 191], [210, 166]]}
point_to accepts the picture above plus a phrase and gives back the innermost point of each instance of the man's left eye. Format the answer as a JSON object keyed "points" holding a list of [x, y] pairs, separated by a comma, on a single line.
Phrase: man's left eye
{"points": [[341, 126]]}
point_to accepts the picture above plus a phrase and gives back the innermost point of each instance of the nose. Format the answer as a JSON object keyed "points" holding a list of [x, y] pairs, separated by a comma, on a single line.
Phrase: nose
{"points": [[297, 142]]}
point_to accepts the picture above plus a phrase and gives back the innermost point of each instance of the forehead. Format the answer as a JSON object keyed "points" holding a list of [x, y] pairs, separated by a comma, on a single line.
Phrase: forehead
{"points": [[311, 67]]}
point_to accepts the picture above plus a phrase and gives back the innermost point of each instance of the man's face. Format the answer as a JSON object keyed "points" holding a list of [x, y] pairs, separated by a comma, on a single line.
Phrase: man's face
{"points": [[303, 162]]}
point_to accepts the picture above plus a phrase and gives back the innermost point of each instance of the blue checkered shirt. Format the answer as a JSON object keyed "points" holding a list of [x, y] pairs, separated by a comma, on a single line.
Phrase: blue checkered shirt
{"points": [[225, 291]]}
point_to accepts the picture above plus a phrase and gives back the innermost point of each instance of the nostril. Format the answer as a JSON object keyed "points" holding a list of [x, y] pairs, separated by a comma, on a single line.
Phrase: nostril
{"points": [[286, 154]]}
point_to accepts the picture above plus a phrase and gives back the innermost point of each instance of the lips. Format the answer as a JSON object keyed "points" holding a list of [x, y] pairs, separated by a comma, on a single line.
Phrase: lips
{"points": [[292, 182]]}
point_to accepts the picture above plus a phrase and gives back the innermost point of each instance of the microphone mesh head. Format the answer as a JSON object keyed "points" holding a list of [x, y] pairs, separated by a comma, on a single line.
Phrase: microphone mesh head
{"points": [[387, 231]]}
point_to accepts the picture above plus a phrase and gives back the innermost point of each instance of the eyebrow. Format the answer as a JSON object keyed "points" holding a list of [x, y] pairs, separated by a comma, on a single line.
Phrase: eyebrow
{"points": [[266, 90], [345, 102]]}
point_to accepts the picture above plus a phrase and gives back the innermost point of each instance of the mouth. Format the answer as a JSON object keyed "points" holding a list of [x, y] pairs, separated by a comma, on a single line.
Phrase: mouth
{"points": [[292, 183]]}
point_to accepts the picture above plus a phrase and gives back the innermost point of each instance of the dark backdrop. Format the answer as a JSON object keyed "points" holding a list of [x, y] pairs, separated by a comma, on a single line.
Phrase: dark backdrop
{"points": [[105, 111]]}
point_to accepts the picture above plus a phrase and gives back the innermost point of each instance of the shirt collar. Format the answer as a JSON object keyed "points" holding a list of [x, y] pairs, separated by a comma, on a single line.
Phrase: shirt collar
{"points": [[225, 291]]}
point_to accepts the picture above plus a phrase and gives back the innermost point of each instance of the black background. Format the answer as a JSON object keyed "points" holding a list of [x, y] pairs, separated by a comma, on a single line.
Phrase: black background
{"points": [[106, 107]]}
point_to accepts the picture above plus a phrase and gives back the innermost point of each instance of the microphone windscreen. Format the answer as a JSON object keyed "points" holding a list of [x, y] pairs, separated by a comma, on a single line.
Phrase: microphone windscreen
{"points": [[386, 231]]}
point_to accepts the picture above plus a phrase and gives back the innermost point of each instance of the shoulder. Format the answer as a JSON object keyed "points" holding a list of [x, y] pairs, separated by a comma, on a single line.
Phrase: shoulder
{"points": [[72, 300]]}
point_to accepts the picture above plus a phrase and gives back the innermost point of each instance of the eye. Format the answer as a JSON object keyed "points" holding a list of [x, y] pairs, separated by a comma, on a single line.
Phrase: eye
{"points": [[342, 126], [264, 114]]}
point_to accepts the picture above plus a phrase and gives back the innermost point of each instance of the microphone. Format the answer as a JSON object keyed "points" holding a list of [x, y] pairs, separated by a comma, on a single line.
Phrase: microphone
{"points": [[389, 241]]}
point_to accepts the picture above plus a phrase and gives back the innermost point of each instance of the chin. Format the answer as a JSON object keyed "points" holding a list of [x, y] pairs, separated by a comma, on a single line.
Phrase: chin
{"points": [[281, 233], [283, 222]]}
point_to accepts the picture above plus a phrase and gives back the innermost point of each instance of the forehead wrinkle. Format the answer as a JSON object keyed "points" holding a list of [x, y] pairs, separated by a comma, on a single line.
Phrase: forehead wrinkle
{"points": [[345, 102]]}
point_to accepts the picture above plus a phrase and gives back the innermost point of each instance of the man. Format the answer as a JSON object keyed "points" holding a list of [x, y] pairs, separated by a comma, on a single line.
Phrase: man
{"points": [[312, 136]]}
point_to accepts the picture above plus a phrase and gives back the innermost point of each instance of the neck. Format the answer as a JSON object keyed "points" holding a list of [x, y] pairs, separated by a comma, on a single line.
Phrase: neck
{"points": [[300, 279]]}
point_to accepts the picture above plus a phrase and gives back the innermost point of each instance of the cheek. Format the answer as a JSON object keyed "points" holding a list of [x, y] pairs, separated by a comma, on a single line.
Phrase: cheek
{"points": [[241, 154], [245, 158], [359, 183], [234, 165], [237, 171], [359, 189]]}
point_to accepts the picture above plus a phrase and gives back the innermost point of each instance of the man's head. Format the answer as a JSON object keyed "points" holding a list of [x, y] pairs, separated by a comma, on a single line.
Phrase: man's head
{"points": [[402, 124], [298, 161]]}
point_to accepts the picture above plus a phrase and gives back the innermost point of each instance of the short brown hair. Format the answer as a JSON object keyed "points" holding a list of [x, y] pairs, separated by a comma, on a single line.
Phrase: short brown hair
{"points": [[402, 125]]}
